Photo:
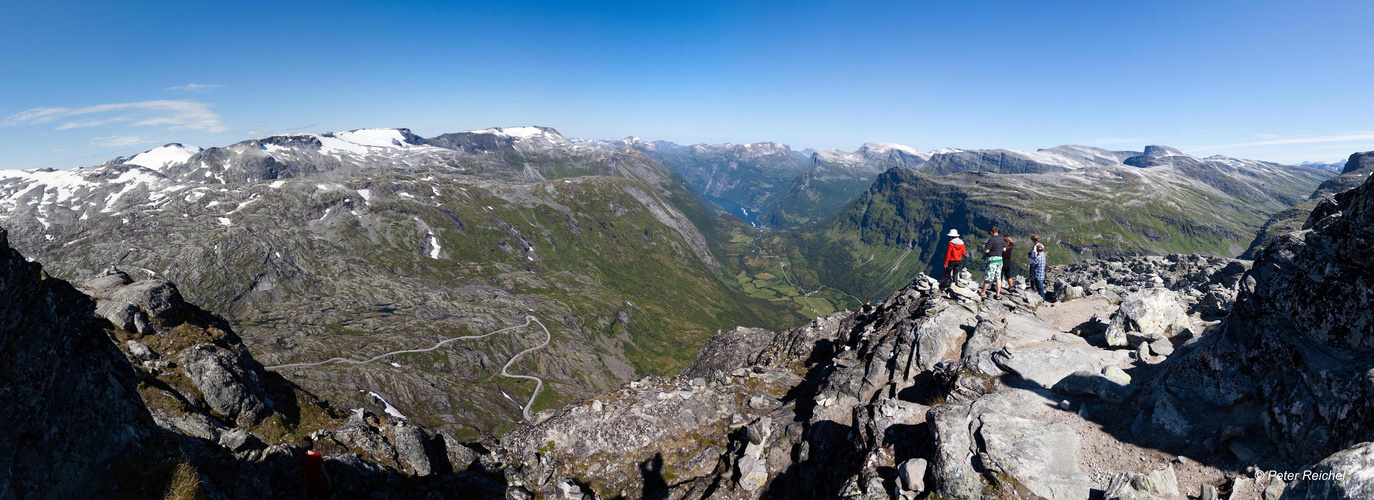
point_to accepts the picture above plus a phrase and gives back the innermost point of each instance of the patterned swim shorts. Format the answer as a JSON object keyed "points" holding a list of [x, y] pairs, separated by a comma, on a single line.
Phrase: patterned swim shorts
{"points": [[994, 269]]}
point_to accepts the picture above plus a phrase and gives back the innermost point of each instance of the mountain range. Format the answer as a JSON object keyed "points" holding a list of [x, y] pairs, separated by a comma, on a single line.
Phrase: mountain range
{"points": [[358, 243]]}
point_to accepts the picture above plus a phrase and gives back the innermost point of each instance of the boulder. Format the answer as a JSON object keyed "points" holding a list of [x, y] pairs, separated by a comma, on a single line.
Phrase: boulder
{"points": [[238, 440], [1160, 484], [156, 297], [963, 292], [1167, 420], [1209, 492], [356, 433], [728, 351], [119, 314], [567, 489], [111, 278], [1148, 315], [1162, 347], [1346, 475], [913, 475], [227, 382], [140, 351], [410, 448], [1116, 374]]}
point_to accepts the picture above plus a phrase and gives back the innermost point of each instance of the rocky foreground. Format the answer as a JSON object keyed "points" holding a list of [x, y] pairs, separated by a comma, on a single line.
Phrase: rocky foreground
{"points": [[1129, 386], [1147, 377]]}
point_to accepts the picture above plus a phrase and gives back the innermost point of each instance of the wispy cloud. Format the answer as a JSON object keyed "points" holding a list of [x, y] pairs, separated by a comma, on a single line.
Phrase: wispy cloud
{"points": [[194, 87], [176, 114], [118, 140], [1283, 141]]}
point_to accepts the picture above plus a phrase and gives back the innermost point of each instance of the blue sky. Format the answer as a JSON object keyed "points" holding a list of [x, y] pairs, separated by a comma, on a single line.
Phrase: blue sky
{"points": [[1284, 81]]}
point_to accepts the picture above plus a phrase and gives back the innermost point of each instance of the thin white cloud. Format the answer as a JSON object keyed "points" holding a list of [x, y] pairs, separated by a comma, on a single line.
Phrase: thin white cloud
{"points": [[118, 140], [94, 123], [194, 87], [175, 114], [1347, 137]]}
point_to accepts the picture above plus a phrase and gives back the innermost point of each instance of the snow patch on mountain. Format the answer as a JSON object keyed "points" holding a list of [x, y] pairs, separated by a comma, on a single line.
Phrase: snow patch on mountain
{"points": [[887, 147], [516, 132], [374, 137], [163, 157], [435, 248]]}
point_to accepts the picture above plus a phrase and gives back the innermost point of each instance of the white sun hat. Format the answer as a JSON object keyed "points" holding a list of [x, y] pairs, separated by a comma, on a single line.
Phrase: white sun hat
{"points": [[953, 233]]}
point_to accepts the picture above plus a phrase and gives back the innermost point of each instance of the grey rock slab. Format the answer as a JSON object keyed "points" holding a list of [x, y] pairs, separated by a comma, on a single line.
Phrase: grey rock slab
{"points": [[952, 469], [141, 351], [120, 314], [1086, 383], [1042, 457], [1023, 330], [1046, 366]]}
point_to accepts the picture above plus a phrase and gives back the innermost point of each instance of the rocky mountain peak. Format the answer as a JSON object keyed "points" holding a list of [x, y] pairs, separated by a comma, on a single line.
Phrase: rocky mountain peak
{"points": [[1359, 162], [1158, 150]]}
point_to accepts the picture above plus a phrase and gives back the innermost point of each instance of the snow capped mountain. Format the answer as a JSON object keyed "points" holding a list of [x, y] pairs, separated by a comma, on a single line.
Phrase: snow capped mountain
{"points": [[875, 156], [541, 136], [149, 180], [887, 149], [1334, 166], [165, 156]]}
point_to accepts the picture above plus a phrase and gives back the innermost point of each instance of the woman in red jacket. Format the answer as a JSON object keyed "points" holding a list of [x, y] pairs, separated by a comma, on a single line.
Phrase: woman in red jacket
{"points": [[954, 257]]}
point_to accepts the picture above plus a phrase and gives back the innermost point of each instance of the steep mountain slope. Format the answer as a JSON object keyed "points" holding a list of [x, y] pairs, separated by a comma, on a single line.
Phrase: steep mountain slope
{"points": [[1353, 173], [120, 389], [836, 178], [358, 243], [1297, 344], [44, 324], [743, 179], [1007, 161], [1158, 202]]}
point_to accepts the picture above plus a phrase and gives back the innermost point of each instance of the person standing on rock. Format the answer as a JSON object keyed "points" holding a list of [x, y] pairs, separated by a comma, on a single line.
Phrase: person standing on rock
{"points": [[993, 250], [1007, 270], [954, 259], [312, 471], [1037, 265]]}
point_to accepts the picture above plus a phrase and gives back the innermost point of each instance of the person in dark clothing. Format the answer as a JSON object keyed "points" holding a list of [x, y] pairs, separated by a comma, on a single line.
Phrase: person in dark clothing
{"points": [[1037, 265], [993, 250], [312, 471], [1007, 270], [954, 259]]}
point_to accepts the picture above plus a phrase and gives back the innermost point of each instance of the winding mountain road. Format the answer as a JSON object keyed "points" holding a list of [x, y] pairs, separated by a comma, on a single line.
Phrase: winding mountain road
{"points": [[539, 383]]}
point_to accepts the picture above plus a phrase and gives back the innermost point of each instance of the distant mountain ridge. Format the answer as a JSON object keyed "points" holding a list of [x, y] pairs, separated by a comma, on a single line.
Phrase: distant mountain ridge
{"points": [[322, 245]]}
